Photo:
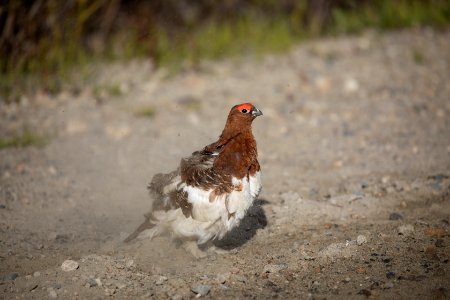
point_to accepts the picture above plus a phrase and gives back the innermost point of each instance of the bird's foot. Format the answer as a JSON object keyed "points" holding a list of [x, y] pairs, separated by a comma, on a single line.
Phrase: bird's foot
{"points": [[219, 251], [192, 247]]}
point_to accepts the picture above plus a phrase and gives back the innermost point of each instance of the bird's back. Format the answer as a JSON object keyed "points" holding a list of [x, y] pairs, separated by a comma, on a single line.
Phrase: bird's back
{"points": [[168, 190]]}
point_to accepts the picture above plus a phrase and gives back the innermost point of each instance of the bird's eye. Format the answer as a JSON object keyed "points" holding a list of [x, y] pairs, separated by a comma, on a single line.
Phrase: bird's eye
{"points": [[244, 111]]}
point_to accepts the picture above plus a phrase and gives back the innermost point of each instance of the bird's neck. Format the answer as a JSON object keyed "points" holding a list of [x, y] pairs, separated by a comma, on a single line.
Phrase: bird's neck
{"points": [[233, 130], [239, 152]]}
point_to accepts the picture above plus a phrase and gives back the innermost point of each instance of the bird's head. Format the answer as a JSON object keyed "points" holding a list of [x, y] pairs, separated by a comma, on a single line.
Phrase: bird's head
{"points": [[245, 112], [240, 119]]}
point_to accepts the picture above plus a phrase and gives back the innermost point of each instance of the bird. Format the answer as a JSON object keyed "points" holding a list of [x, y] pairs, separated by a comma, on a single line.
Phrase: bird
{"points": [[210, 191]]}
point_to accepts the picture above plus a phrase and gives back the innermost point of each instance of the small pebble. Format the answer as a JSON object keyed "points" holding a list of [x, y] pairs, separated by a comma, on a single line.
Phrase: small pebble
{"points": [[291, 197], [202, 289], [109, 292], [120, 285], [240, 278], [385, 179], [390, 275], [52, 170], [160, 280], [351, 85], [406, 229], [395, 216], [91, 282], [11, 276], [435, 232], [52, 293], [98, 281], [361, 270], [439, 243], [129, 263], [69, 265], [389, 285], [365, 292], [222, 278], [306, 256], [37, 274], [390, 189], [273, 268], [347, 279], [361, 239]]}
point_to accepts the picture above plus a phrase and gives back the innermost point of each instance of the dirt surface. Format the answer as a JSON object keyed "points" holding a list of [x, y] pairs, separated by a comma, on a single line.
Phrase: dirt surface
{"points": [[354, 146]]}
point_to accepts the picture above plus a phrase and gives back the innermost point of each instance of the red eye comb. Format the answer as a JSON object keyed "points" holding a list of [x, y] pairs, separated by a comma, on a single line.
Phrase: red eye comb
{"points": [[248, 106]]}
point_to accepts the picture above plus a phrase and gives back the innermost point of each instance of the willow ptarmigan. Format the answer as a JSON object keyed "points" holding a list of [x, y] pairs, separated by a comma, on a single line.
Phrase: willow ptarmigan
{"points": [[211, 190]]}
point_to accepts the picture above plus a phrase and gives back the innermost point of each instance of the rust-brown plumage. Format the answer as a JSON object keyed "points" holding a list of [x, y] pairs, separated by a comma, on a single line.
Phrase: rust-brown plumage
{"points": [[218, 170]]}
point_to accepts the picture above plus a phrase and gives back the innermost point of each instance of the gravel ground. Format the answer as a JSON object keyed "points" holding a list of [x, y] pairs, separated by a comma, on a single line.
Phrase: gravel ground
{"points": [[355, 150]]}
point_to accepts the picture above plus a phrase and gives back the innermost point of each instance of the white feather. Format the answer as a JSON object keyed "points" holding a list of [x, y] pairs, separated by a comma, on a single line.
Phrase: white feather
{"points": [[202, 208], [172, 186], [255, 184], [235, 181], [210, 219]]}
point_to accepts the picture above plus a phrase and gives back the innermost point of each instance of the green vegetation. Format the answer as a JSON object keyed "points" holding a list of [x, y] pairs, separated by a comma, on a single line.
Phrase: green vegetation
{"points": [[216, 41], [26, 138], [385, 14], [191, 103], [108, 90], [146, 112], [418, 56], [45, 40]]}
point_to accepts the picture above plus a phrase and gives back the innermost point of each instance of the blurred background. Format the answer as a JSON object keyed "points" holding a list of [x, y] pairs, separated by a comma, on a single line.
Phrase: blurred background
{"points": [[41, 41]]}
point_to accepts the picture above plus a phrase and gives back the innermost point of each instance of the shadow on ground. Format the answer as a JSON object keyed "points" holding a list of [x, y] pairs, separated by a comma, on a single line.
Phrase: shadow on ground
{"points": [[254, 220]]}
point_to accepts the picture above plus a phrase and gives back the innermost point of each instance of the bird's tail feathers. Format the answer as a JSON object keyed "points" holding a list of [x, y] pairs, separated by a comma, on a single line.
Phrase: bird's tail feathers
{"points": [[161, 188], [149, 233], [163, 184], [146, 225]]}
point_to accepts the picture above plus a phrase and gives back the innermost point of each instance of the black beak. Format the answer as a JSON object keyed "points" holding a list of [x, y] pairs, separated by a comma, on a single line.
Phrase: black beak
{"points": [[256, 112]]}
